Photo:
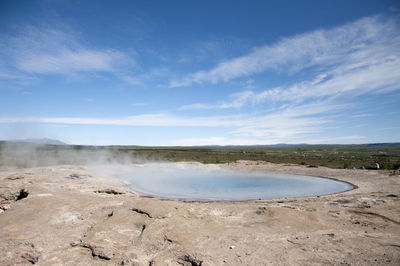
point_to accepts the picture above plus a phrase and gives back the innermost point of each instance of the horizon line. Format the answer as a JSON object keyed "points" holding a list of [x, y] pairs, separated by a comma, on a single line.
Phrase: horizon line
{"points": [[31, 141]]}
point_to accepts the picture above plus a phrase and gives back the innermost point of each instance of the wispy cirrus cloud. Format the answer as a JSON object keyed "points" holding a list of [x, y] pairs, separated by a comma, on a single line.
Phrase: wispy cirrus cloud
{"points": [[367, 69], [363, 115], [281, 124], [375, 78], [66, 61], [138, 104], [236, 100], [348, 45], [50, 51], [88, 100]]}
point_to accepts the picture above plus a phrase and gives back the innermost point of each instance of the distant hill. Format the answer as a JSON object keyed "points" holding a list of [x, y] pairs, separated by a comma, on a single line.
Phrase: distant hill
{"points": [[42, 141], [283, 145]]}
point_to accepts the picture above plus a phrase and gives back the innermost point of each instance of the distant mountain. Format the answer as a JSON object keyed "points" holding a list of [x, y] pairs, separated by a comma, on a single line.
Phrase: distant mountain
{"points": [[42, 141]]}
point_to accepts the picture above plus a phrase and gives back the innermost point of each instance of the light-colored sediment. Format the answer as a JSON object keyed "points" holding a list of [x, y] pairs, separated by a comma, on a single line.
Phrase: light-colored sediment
{"points": [[70, 216]]}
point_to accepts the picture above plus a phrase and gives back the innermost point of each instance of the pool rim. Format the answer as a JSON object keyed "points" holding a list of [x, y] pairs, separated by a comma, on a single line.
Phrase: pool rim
{"points": [[352, 187]]}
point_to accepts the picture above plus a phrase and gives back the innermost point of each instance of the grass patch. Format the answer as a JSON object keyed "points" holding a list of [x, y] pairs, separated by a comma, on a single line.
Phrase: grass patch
{"points": [[387, 155]]}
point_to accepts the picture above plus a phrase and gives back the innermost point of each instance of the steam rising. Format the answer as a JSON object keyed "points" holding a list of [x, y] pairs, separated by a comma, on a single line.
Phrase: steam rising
{"points": [[22, 154]]}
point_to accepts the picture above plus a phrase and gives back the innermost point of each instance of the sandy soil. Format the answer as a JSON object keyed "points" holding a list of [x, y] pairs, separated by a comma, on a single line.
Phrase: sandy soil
{"points": [[68, 215]]}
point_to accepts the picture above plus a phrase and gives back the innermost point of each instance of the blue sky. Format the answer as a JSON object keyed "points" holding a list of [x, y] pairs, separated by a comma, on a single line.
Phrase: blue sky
{"points": [[200, 72]]}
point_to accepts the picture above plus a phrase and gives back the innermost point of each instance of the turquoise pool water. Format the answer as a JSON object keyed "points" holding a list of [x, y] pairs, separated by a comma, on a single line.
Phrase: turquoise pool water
{"points": [[197, 182]]}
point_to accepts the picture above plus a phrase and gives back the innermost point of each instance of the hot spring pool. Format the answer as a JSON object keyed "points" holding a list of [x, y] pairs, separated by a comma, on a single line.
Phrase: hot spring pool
{"points": [[210, 182]]}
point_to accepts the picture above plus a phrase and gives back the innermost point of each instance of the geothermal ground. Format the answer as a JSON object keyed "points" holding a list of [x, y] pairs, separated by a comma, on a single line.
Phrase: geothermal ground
{"points": [[70, 215]]}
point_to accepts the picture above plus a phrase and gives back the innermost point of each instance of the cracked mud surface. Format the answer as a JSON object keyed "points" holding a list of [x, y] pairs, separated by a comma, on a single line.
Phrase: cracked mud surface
{"points": [[70, 216]]}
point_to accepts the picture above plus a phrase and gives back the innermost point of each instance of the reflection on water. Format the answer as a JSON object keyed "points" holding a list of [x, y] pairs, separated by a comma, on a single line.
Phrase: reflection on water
{"points": [[210, 182]]}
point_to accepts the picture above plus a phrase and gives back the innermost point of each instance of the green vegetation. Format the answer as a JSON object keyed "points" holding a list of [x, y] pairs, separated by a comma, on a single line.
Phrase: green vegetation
{"points": [[387, 155]]}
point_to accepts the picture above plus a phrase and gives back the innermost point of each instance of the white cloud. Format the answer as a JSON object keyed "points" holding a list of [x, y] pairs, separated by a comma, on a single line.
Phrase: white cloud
{"points": [[286, 123], [363, 115], [237, 100], [221, 141], [58, 51], [349, 45], [389, 128], [375, 73], [69, 61], [7, 74], [138, 104]]}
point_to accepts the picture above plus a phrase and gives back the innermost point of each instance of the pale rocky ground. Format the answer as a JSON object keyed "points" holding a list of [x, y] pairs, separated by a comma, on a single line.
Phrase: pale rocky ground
{"points": [[67, 215]]}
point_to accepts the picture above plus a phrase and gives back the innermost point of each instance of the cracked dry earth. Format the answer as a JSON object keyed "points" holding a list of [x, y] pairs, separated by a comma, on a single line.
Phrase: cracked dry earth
{"points": [[67, 215]]}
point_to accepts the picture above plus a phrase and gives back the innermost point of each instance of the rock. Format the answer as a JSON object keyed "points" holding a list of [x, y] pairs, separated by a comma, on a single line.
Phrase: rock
{"points": [[74, 176], [188, 260], [110, 191]]}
